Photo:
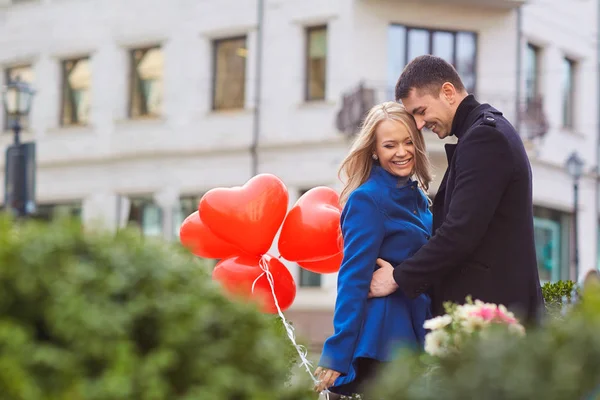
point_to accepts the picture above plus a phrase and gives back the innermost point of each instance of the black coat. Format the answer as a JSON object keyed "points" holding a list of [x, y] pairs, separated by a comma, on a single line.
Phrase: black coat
{"points": [[483, 243]]}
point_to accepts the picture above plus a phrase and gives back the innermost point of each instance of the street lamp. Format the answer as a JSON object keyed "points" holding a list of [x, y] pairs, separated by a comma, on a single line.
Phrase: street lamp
{"points": [[574, 167], [19, 172], [17, 96]]}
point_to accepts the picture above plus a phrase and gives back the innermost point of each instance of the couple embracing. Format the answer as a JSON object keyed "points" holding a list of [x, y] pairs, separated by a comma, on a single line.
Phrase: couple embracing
{"points": [[405, 257]]}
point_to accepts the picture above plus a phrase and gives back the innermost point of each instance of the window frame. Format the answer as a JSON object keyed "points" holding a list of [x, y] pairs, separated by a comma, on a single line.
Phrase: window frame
{"points": [[134, 78], [142, 202], [537, 52], [215, 48], [568, 112], [430, 32], [544, 216], [63, 94], [307, 32]]}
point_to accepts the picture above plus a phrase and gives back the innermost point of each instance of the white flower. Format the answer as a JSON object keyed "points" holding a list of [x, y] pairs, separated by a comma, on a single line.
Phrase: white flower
{"points": [[517, 329], [436, 343], [464, 311], [438, 322], [472, 323]]}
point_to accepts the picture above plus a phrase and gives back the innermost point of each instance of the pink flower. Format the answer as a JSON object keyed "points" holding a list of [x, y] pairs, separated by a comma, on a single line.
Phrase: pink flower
{"points": [[503, 315], [485, 312]]}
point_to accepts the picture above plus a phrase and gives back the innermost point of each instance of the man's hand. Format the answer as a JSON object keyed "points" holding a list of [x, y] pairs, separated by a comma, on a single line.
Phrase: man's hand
{"points": [[383, 283], [326, 378]]}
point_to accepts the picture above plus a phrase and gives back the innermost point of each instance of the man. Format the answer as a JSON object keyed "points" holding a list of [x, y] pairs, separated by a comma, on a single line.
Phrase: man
{"points": [[483, 243]]}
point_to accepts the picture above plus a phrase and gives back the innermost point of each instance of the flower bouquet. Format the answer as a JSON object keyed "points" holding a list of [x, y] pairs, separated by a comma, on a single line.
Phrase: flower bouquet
{"points": [[462, 322]]}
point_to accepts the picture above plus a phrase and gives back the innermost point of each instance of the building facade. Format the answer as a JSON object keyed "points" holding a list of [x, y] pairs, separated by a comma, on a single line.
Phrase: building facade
{"points": [[142, 106]]}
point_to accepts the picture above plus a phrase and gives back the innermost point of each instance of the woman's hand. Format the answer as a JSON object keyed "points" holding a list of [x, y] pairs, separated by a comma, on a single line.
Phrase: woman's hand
{"points": [[326, 378]]}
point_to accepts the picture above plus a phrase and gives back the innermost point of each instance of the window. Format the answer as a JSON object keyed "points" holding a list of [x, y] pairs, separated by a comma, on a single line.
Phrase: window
{"points": [[229, 73], [458, 48], [187, 205], [146, 90], [49, 212], [568, 92], [77, 82], [22, 73], [309, 279], [316, 63], [146, 215], [532, 73], [551, 234]]}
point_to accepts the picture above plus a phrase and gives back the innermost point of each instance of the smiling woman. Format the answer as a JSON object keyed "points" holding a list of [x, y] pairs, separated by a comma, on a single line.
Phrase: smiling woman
{"points": [[391, 121], [388, 153], [395, 149]]}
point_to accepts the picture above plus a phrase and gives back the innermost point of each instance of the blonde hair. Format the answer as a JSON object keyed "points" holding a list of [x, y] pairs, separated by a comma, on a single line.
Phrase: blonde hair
{"points": [[358, 163]]}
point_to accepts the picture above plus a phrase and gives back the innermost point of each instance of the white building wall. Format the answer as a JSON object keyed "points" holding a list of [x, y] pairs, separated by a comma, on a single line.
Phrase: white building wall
{"points": [[192, 148], [567, 29]]}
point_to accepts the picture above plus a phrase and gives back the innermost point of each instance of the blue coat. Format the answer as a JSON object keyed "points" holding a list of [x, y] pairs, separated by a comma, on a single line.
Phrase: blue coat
{"points": [[382, 220]]}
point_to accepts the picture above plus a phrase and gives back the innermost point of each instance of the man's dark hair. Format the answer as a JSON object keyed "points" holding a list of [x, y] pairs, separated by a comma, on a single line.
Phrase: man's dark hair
{"points": [[427, 74]]}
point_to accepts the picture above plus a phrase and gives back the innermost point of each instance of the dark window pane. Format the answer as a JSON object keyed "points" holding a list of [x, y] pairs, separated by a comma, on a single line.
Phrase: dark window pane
{"points": [[49, 212], [309, 279], [531, 72], [77, 82], [568, 92], [458, 48], [552, 241], [187, 205], [229, 90], [316, 67], [466, 48], [146, 216], [418, 43], [397, 56], [547, 249], [146, 82], [443, 46]]}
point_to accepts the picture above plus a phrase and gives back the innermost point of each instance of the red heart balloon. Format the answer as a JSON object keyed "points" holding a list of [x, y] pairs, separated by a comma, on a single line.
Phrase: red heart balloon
{"points": [[326, 266], [248, 216], [201, 241], [241, 277], [311, 230]]}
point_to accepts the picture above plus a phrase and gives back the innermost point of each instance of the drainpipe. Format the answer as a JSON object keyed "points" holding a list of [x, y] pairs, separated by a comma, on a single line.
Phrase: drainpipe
{"points": [[597, 167], [257, 89], [519, 68]]}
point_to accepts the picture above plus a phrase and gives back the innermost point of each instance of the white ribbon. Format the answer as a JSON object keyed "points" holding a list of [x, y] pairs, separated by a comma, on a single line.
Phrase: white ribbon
{"points": [[302, 352]]}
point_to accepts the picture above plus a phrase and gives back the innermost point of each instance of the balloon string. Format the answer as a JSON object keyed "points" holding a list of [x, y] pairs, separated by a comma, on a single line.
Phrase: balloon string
{"points": [[302, 352]]}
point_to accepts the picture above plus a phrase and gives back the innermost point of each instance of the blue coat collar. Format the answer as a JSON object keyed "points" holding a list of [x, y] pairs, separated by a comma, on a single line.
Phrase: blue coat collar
{"points": [[380, 175]]}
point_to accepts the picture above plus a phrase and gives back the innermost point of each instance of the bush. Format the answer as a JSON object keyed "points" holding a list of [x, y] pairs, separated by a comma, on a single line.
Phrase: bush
{"points": [[558, 296], [111, 317], [559, 361]]}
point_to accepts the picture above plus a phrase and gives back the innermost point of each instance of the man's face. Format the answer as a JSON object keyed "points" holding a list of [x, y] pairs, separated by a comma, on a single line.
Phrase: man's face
{"points": [[434, 112]]}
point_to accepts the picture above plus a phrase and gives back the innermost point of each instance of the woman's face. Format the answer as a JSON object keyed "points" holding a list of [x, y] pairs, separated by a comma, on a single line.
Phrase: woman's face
{"points": [[394, 148]]}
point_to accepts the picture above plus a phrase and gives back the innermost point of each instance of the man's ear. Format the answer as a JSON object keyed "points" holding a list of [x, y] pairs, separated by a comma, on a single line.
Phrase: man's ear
{"points": [[448, 92]]}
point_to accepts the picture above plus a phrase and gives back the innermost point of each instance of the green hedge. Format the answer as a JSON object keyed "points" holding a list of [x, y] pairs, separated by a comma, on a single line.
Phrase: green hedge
{"points": [[101, 316], [558, 361]]}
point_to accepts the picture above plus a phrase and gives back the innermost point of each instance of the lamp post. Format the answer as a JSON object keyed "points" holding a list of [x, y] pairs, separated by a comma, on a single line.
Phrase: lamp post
{"points": [[574, 166], [17, 96], [19, 178]]}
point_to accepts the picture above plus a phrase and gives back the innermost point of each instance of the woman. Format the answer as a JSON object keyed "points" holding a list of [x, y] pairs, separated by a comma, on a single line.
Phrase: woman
{"points": [[386, 215]]}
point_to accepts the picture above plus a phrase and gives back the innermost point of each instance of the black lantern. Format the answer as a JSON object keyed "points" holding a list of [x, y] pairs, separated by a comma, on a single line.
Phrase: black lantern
{"points": [[17, 96], [574, 166]]}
